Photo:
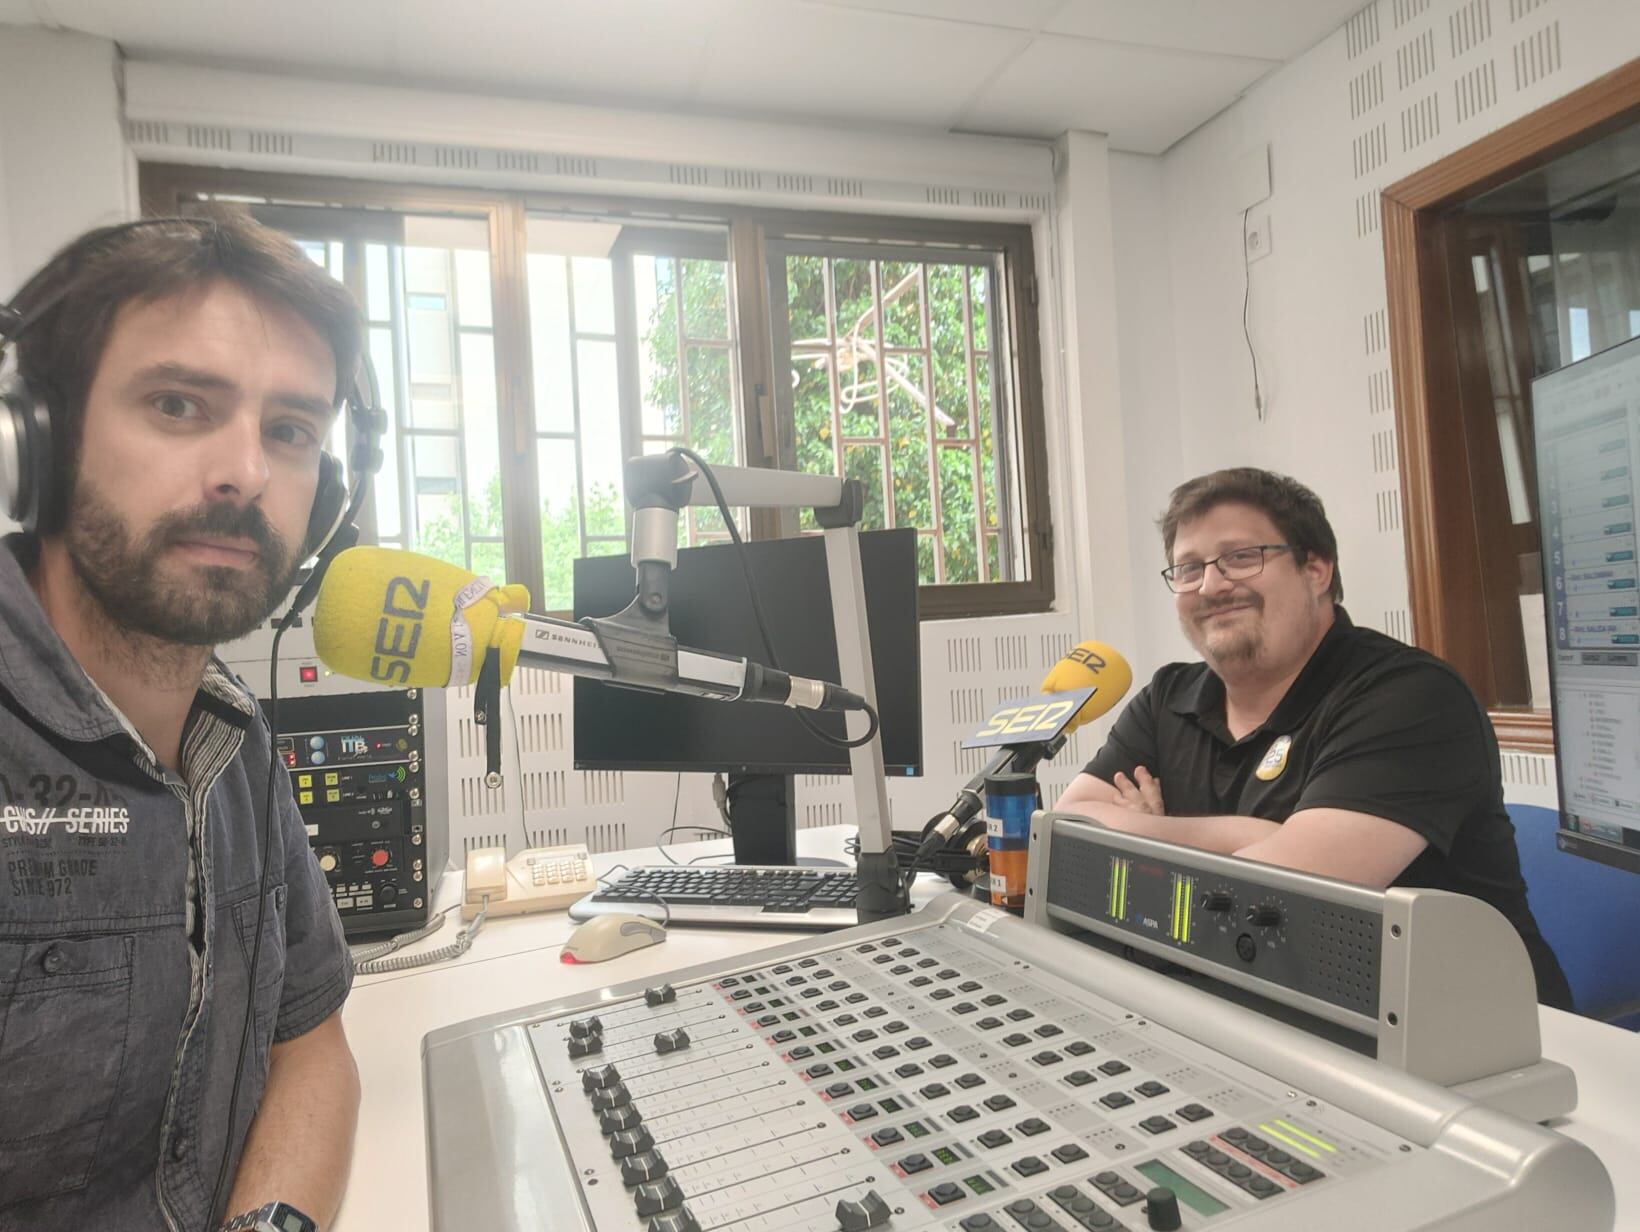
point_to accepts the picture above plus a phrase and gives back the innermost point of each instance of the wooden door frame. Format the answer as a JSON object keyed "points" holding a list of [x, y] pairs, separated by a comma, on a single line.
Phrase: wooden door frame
{"points": [[1444, 582]]}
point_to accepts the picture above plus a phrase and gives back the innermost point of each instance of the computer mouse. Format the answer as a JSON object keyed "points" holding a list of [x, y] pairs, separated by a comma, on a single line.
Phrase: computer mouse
{"points": [[609, 936]]}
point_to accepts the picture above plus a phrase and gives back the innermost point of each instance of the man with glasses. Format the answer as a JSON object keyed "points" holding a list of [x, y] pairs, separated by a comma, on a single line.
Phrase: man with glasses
{"points": [[1302, 740]]}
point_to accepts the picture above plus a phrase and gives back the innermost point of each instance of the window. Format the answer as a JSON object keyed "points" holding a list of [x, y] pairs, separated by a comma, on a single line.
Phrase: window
{"points": [[526, 347], [1508, 260]]}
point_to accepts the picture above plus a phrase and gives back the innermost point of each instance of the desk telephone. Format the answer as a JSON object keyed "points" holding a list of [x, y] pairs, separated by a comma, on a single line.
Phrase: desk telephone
{"points": [[539, 879]]}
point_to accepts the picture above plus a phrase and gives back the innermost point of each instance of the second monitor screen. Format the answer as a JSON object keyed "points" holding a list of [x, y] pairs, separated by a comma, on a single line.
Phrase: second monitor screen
{"points": [[620, 729]]}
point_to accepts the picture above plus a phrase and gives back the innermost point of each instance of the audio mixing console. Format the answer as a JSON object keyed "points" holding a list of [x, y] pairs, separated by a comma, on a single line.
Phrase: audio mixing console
{"points": [[964, 1070]]}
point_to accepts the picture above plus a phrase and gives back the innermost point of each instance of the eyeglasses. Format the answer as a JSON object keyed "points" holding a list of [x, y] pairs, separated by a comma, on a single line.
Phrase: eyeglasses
{"points": [[1235, 564]]}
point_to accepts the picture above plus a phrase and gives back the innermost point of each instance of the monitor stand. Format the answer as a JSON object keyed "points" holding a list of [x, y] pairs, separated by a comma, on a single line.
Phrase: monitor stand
{"points": [[763, 820]]}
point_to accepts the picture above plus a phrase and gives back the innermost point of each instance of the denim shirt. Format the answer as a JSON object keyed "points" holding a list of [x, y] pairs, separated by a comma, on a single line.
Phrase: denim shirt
{"points": [[128, 907]]}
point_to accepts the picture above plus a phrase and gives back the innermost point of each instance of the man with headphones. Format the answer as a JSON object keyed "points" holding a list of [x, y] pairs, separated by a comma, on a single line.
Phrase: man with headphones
{"points": [[169, 387]]}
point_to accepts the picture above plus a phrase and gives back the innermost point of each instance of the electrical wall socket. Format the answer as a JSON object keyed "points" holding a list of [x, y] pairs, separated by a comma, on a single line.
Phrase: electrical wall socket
{"points": [[1258, 235]]}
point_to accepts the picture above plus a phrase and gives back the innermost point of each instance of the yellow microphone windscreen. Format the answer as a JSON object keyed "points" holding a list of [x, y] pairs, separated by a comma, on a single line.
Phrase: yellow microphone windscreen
{"points": [[1090, 665], [410, 621]]}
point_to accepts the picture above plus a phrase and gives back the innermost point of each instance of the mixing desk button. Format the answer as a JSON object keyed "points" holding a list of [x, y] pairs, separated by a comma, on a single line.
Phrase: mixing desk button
{"points": [[926, 963], [616, 1096], [1028, 1167], [862, 1112], [839, 1089], [679, 1220], [890, 942], [909, 1070], [586, 1046], [782, 969], [1070, 1153], [887, 1136], [1215, 1159], [1113, 1068], [913, 1164], [964, 1007], [1255, 1145], [1302, 1172], [1162, 1210], [899, 969], [1124, 1193], [599, 1078], [818, 1071], [961, 1113], [768, 1020], [1032, 1126], [838, 986], [994, 999], [779, 1037], [1235, 1136], [979, 1223], [1238, 1172], [946, 1194], [935, 1090], [617, 1119], [969, 1081], [664, 995], [885, 1053], [993, 1138], [909, 952], [630, 1142], [845, 1020], [809, 963], [921, 981], [1079, 1048], [826, 1006], [1021, 1014], [801, 1053], [1277, 1158], [1157, 1125], [1116, 1099], [1047, 1031], [988, 1024], [1079, 1078], [883, 958], [1047, 1058], [1260, 1187], [864, 949], [941, 994], [653, 1197], [854, 998], [671, 1041], [966, 985], [876, 1011], [863, 1214], [1151, 1089], [1016, 1039], [741, 994], [636, 1169], [863, 1036], [999, 1103], [1195, 1112], [943, 1061]]}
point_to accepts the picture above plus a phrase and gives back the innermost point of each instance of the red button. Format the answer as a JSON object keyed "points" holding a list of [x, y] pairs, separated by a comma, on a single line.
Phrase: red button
{"points": [[378, 858], [308, 673]]}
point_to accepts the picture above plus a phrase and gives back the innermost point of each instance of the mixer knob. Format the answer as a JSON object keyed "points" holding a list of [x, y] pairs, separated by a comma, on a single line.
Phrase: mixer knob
{"points": [[586, 1026], [636, 1169], [600, 1078], [1217, 901], [1264, 916], [616, 1096], [655, 1197], [671, 1041], [664, 995], [630, 1142], [1162, 1209], [328, 861], [680, 1220], [617, 1119], [869, 1212], [586, 1046]]}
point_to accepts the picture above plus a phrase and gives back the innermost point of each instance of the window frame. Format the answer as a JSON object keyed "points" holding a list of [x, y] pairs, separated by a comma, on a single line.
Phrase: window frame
{"points": [[165, 187], [1446, 574]]}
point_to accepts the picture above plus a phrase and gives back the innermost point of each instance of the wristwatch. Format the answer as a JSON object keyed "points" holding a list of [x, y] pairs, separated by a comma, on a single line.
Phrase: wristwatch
{"points": [[274, 1217]]}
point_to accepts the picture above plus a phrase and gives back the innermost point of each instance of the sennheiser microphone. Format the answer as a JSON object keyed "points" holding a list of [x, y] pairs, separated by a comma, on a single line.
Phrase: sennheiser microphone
{"points": [[1087, 665], [402, 619]]}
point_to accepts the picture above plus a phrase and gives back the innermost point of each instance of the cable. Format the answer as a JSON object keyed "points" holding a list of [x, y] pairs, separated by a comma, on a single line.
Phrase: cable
{"points": [[407, 962], [1246, 300], [219, 1190], [705, 467], [378, 949], [518, 765]]}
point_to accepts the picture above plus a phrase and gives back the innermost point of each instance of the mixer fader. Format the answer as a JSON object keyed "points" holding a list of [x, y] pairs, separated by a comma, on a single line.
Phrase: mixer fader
{"points": [[959, 1070]]}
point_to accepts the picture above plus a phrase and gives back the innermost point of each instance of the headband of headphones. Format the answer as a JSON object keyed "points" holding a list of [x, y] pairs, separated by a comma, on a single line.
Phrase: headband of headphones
{"points": [[26, 419]]}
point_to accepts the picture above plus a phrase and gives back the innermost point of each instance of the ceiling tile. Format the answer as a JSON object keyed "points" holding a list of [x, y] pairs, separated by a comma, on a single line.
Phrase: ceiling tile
{"points": [[1013, 14], [1264, 29], [1144, 99], [828, 63]]}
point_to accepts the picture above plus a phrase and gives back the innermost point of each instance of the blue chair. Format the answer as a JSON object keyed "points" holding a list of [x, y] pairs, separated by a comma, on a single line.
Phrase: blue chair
{"points": [[1589, 914]]}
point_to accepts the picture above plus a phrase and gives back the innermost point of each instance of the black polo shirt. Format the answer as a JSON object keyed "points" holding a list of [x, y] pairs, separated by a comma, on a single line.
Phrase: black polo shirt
{"points": [[1371, 725]]}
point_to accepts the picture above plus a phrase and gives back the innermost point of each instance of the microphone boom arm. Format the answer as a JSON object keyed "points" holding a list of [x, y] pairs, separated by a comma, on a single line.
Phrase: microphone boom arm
{"points": [[658, 487]]}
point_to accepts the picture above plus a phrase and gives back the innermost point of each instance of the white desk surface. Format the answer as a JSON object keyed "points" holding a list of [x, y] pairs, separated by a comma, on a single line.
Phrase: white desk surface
{"points": [[514, 962]]}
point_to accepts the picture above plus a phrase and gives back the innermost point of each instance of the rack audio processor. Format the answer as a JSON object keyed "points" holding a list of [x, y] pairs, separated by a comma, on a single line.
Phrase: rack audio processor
{"points": [[964, 1070]]}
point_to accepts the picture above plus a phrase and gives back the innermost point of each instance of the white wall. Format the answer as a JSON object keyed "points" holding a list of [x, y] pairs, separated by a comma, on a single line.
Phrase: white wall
{"points": [[64, 166], [1404, 83]]}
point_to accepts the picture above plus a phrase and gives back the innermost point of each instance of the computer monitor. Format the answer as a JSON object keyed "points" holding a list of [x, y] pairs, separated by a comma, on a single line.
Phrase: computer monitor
{"points": [[760, 747], [1586, 420]]}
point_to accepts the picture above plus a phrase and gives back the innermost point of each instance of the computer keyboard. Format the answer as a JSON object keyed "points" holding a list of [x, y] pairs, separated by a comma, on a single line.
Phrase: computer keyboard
{"points": [[751, 896]]}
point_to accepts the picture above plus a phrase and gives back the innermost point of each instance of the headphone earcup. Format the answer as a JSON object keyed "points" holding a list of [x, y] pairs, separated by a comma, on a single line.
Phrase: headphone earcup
{"points": [[25, 453], [971, 841], [329, 503]]}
